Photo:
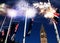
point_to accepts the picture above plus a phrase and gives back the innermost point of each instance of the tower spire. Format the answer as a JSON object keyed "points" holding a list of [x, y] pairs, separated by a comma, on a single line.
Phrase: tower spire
{"points": [[43, 36]]}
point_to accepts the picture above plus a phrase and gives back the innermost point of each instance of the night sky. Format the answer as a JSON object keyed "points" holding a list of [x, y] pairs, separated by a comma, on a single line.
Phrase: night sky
{"points": [[38, 21]]}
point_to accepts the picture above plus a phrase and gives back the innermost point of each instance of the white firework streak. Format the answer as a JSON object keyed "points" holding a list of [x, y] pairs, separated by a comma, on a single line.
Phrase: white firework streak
{"points": [[59, 41], [57, 35], [8, 31], [3, 23], [25, 29], [27, 11]]}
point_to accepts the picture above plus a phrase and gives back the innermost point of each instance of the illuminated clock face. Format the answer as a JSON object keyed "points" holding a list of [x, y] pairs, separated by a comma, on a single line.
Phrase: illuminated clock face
{"points": [[42, 33]]}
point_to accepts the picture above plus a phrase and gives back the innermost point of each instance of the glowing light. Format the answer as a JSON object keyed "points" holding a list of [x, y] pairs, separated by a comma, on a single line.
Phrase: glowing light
{"points": [[22, 5], [46, 5], [31, 12], [2, 5], [24, 9], [11, 12], [49, 15], [59, 40], [40, 5], [46, 9], [50, 12], [2, 8], [36, 5], [56, 30]]}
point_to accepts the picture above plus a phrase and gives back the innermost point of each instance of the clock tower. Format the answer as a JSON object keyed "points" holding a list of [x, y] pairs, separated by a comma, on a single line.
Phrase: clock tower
{"points": [[43, 36]]}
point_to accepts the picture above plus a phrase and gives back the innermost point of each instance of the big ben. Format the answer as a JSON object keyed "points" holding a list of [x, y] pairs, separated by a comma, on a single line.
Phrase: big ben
{"points": [[43, 37]]}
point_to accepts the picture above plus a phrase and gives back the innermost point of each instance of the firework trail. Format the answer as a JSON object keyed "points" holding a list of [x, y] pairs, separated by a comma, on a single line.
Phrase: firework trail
{"points": [[11, 13], [57, 35], [8, 31], [24, 9], [25, 29], [59, 41], [3, 23]]}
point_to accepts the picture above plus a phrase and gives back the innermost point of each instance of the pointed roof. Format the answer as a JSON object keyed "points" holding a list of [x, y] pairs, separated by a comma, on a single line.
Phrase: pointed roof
{"points": [[42, 28], [42, 32]]}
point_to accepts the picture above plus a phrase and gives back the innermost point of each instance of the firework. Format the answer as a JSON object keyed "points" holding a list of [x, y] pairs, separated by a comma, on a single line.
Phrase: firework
{"points": [[47, 10], [8, 31], [11, 12], [2, 8], [24, 9], [3, 23], [25, 29], [31, 12], [55, 27], [59, 40]]}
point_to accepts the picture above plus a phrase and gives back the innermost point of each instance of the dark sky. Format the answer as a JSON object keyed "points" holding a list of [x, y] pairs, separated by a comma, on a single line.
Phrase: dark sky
{"points": [[38, 20]]}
